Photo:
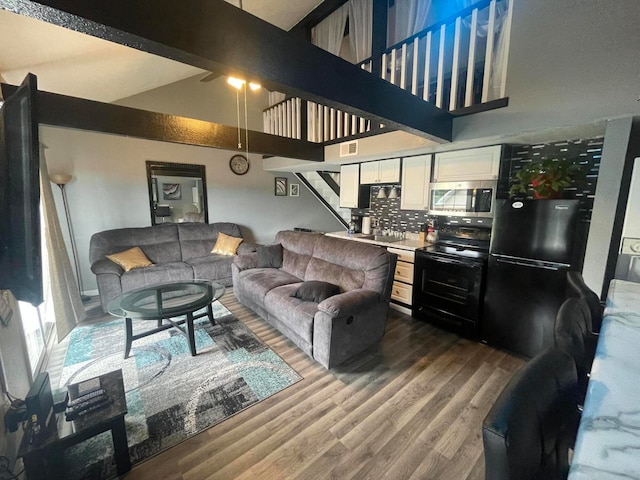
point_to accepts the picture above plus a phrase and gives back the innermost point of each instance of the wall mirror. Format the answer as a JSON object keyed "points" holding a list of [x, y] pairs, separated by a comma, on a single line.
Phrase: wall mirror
{"points": [[177, 193]]}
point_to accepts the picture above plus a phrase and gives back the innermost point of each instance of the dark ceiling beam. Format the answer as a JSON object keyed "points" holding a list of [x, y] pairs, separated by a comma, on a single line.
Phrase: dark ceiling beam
{"points": [[77, 113], [210, 33]]}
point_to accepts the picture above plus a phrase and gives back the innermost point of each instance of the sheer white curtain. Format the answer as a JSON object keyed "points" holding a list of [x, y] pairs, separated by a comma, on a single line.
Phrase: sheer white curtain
{"points": [[360, 25], [501, 37], [62, 298], [410, 17], [329, 33]]}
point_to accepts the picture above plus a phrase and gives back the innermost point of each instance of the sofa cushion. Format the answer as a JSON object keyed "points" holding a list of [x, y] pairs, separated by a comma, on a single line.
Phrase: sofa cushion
{"points": [[297, 251], [167, 272], [197, 239], [130, 259], [160, 243], [211, 267], [315, 291], [296, 314], [350, 265], [269, 256], [256, 282]]}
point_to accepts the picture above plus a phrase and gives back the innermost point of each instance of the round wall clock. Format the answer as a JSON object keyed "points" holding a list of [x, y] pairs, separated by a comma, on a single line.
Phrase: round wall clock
{"points": [[239, 164]]}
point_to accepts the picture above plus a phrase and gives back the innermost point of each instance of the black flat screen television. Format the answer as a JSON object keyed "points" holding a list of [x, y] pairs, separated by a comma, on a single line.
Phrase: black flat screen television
{"points": [[20, 247]]}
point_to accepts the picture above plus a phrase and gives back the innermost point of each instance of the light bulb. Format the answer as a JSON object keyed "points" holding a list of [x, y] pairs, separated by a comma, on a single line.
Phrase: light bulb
{"points": [[254, 86], [235, 82]]}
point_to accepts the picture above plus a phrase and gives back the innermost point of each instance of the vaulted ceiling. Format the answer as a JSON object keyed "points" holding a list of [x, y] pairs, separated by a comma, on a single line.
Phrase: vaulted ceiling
{"points": [[202, 34], [84, 66]]}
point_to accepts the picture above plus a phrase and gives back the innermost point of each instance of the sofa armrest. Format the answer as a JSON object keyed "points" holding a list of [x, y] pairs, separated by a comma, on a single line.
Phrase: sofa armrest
{"points": [[348, 324], [246, 248], [245, 262], [104, 265], [348, 303]]}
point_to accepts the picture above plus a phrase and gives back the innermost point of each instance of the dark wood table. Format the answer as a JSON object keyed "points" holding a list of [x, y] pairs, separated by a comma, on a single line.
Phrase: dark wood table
{"points": [[44, 459], [166, 302]]}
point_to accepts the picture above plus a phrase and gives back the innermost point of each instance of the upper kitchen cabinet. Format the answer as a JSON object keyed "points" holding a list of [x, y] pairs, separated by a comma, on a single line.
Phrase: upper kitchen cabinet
{"points": [[381, 171], [352, 194], [416, 173], [473, 164]]}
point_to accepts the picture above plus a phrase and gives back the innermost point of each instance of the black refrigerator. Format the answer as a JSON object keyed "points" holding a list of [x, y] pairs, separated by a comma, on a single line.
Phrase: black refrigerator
{"points": [[532, 247]]}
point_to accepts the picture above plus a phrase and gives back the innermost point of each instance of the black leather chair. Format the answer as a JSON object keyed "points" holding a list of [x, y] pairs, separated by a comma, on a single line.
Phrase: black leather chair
{"points": [[531, 426], [573, 333], [576, 287]]}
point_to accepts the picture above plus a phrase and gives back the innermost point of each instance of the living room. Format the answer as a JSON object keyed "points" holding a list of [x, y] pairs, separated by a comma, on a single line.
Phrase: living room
{"points": [[556, 90]]}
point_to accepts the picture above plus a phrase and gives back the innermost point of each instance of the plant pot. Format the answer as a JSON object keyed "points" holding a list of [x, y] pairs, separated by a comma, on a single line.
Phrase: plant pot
{"points": [[552, 195]]}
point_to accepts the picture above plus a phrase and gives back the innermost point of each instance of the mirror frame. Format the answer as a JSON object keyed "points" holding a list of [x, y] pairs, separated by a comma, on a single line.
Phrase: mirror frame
{"points": [[177, 170]]}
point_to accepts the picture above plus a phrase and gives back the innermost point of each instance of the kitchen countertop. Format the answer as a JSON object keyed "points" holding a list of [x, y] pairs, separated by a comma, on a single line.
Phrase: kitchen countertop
{"points": [[408, 244]]}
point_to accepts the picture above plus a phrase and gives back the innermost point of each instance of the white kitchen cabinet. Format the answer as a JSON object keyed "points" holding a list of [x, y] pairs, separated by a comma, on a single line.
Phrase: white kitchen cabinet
{"points": [[352, 194], [381, 171], [472, 164], [416, 175]]}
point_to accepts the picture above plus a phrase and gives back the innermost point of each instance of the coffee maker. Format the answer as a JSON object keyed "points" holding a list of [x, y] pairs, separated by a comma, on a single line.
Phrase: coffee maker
{"points": [[356, 223]]}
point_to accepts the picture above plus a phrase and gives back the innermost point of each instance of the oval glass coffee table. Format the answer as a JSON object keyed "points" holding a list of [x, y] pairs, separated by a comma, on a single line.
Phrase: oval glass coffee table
{"points": [[166, 302]]}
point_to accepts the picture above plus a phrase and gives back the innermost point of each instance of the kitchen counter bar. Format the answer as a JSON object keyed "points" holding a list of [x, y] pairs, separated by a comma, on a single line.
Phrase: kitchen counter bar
{"points": [[608, 442], [407, 244]]}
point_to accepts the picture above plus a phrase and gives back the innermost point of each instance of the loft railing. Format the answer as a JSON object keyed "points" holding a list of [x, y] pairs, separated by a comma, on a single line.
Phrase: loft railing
{"points": [[457, 63]]}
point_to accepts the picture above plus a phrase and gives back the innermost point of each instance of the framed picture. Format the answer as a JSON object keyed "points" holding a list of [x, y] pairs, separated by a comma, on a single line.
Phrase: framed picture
{"points": [[281, 186], [171, 191], [294, 190]]}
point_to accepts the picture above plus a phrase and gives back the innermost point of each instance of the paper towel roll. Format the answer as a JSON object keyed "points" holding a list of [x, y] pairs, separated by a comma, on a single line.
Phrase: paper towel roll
{"points": [[366, 225]]}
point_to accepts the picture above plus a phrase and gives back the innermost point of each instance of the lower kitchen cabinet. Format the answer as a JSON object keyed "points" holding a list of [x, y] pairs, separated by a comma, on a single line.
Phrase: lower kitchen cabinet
{"points": [[402, 290]]}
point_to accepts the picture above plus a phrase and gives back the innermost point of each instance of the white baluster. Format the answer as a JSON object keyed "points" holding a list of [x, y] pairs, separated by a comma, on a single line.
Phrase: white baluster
{"points": [[338, 124], [393, 66], [488, 56], [440, 80], [468, 97], [403, 67], [354, 125], [427, 68], [332, 124], [414, 67], [326, 116], [384, 66], [299, 119], [454, 66]]}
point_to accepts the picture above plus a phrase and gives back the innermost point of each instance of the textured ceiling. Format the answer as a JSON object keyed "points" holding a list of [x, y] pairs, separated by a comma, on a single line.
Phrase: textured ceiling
{"points": [[72, 63]]}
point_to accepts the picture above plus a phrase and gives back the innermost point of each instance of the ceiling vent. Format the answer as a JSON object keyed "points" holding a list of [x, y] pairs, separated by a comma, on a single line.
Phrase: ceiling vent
{"points": [[349, 149]]}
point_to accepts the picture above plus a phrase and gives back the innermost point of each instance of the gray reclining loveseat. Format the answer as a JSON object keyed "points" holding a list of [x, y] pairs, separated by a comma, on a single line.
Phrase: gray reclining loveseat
{"points": [[179, 251], [338, 327]]}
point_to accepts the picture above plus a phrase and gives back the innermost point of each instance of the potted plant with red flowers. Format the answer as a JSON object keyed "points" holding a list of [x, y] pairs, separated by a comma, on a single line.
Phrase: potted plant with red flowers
{"points": [[547, 179]]}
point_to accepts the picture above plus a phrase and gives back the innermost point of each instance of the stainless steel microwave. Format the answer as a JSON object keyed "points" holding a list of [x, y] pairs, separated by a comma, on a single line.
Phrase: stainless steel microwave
{"points": [[464, 199]]}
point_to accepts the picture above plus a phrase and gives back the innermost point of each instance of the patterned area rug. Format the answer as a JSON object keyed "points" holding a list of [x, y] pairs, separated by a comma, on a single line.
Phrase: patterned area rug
{"points": [[170, 394]]}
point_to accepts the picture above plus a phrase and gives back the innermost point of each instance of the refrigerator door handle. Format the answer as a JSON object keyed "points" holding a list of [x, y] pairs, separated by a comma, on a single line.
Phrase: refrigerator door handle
{"points": [[528, 264]]}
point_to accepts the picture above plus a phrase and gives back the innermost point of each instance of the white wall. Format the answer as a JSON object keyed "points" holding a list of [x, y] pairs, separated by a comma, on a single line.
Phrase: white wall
{"points": [[109, 189], [570, 63]]}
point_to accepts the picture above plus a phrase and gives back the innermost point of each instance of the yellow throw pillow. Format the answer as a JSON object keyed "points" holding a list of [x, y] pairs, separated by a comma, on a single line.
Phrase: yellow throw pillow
{"points": [[130, 259], [226, 245]]}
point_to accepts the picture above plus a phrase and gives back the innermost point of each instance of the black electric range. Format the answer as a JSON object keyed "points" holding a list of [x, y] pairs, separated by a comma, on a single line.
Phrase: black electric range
{"points": [[449, 275]]}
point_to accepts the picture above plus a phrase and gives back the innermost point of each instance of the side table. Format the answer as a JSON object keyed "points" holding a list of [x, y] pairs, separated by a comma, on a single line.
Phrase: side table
{"points": [[44, 459]]}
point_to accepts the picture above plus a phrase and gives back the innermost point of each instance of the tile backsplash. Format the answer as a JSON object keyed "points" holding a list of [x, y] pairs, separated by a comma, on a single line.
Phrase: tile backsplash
{"points": [[387, 212], [586, 152]]}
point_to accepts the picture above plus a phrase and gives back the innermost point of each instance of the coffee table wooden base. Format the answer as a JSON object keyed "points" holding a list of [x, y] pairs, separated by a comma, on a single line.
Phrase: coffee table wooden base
{"points": [[187, 331]]}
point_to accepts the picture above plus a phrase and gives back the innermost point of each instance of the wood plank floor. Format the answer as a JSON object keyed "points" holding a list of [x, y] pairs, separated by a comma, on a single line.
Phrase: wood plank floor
{"points": [[411, 408]]}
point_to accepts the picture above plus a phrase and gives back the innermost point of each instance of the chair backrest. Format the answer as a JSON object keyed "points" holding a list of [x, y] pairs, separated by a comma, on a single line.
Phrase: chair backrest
{"points": [[573, 334], [530, 428], [576, 287]]}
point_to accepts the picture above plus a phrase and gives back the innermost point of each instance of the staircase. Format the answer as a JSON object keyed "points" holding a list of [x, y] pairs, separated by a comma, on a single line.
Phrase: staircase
{"points": [[325, 187]]}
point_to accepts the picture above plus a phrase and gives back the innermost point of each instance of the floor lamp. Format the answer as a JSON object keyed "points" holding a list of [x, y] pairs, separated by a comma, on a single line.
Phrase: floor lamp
{"points": [[61, 180]]}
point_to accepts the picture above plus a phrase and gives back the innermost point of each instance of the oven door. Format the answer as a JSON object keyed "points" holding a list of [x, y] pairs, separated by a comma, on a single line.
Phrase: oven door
{"points": [[449, 288]]}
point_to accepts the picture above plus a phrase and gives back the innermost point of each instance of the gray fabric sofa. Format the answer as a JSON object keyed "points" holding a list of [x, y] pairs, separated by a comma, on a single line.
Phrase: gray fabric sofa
{"points": [[179, 251], [338, 327]]}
